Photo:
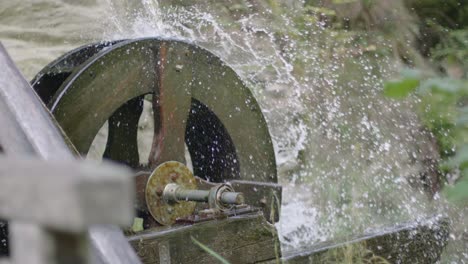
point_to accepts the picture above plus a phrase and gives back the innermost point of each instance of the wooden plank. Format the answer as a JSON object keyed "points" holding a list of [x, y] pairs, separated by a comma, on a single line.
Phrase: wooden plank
{"points": [[38, 135], [417, 242], [12, 138], [101, 238], [67, 196], [30, 117], [242, 239], [46, 246]]}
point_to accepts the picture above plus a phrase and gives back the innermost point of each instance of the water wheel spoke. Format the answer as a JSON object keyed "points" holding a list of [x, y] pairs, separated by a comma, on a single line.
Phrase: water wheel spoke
{"points": [[122, 142], [171, 104]]}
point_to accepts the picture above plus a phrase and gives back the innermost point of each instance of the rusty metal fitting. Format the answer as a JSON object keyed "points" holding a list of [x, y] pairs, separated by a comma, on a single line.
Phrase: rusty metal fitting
{"points": [[220, 197], [223, 197]]}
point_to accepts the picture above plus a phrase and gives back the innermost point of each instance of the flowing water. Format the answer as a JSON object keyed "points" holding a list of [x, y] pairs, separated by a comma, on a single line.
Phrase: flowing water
{"points": [[349, 159]]}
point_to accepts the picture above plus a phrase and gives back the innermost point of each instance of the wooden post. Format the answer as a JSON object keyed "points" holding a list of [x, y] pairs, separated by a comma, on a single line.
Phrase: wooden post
{"points": [[28, 129], [57, 202]]}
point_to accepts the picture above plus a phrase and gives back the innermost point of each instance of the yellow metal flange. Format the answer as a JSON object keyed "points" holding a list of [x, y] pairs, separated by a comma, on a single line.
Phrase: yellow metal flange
{"points": [[163, 211]]}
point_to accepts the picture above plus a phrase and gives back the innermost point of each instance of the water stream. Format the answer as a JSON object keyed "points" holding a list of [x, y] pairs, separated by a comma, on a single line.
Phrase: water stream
{"points": [[349, 159]]}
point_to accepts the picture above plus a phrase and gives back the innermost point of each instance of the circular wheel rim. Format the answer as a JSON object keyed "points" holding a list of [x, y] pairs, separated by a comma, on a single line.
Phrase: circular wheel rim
{"points": [[197, 99]]}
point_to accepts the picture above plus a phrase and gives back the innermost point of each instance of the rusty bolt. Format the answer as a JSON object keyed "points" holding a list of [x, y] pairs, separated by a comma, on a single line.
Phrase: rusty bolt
{"points": [[159, 191], [174, 176]]}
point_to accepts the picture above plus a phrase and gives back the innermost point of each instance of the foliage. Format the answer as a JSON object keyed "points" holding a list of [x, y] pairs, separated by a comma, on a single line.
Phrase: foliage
{"points": [[137, 224], [403, 87], [452, 14], [443, 39], [351, 254], [443, 110], [452, 52]]}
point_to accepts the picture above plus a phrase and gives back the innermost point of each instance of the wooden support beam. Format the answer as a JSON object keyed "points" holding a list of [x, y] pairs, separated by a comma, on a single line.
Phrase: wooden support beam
{"points": [[241, 239], [415, 242], [39, 245], [68, 195], [28, 129]]}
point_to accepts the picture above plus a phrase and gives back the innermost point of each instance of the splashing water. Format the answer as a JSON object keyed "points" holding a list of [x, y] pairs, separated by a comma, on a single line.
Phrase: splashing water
{"points": [[349, 159], [258, 63], [344, 152]]}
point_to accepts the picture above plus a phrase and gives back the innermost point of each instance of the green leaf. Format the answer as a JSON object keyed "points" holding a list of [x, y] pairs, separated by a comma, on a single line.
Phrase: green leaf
{"points": [[209, 251], [460, 160], [459, 192], [445, 85], [400, 88], [137, 224]]}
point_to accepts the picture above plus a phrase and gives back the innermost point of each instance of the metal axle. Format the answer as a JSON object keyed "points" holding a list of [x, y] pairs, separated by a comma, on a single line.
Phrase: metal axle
{"points": [[220, 196]]}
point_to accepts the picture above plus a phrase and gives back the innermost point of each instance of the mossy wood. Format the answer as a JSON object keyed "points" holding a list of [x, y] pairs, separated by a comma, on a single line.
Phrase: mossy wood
{"points": [[241, 239]]}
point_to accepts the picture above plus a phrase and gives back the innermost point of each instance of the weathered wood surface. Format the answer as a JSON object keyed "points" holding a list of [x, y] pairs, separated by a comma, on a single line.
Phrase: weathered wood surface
{"points": [[101, 238], [242, 239], [28, 129], [67, 196], [34, 244], [418, 242]]}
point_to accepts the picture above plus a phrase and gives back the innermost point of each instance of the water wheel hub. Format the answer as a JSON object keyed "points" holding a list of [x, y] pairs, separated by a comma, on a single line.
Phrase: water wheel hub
{"points": [[203, 116]]}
